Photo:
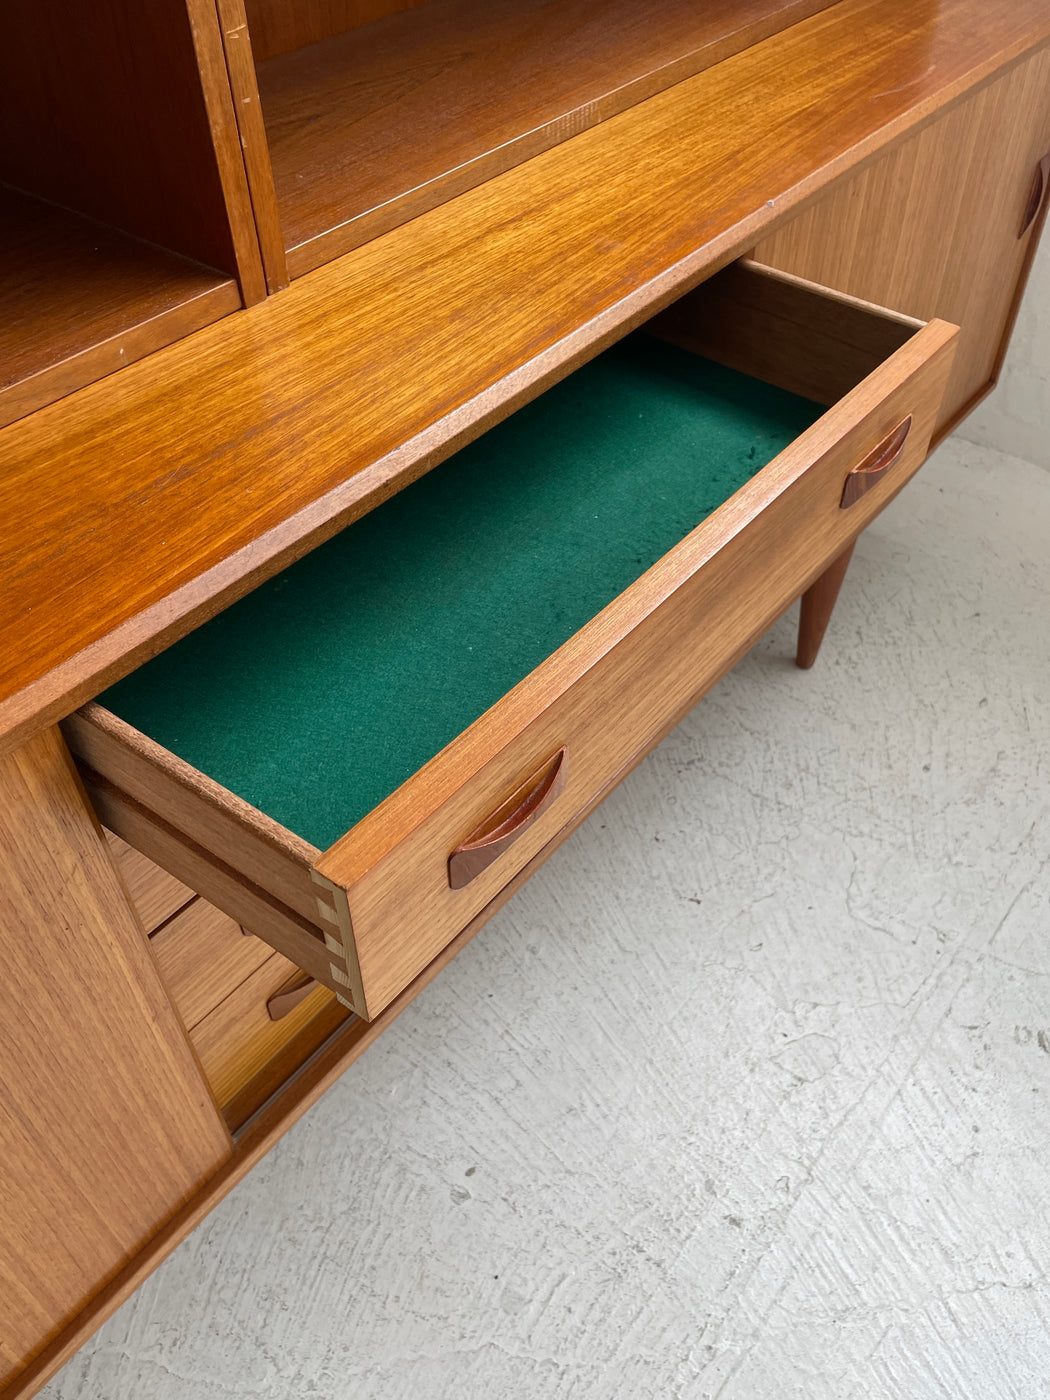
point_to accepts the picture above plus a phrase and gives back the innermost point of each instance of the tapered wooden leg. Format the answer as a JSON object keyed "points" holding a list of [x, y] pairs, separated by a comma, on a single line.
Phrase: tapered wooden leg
{"points": [[818, 601]]}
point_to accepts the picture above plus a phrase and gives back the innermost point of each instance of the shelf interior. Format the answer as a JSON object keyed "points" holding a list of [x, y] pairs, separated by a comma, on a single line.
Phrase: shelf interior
{"points": [[317, 695], [373, 126], [79, 299]]}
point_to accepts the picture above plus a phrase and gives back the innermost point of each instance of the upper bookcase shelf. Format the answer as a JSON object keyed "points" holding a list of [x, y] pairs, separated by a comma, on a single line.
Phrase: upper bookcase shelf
{"points": [[117, 234], [79, 300], [378, 121]]}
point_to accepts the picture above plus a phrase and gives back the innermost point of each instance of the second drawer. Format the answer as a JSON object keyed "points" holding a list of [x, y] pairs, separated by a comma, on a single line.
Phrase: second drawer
{"points": [[251, 1016], [356, 759]]}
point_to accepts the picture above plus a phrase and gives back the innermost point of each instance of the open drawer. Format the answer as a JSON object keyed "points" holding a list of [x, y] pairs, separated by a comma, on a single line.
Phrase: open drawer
{"points": [[356, 759]]}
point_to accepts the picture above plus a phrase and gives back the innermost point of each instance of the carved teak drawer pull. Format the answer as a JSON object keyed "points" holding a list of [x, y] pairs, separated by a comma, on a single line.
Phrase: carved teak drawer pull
{"points": [[875, 466], [505, 825], [289, 996], [1036, 195]]}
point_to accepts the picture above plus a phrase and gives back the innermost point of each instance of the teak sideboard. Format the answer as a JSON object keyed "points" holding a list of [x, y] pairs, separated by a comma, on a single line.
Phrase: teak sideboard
{"points": [[410, 409]]}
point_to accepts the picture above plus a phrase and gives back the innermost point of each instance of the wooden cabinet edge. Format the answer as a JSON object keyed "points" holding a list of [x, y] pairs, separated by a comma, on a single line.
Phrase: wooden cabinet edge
{"points": [[1034, 234], [240, 67], [348, 1043], [222, 119]]}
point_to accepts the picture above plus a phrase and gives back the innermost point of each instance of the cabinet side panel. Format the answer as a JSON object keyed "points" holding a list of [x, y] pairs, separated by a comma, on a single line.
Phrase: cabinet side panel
{"points": [[931, 229], [106, 1126]]}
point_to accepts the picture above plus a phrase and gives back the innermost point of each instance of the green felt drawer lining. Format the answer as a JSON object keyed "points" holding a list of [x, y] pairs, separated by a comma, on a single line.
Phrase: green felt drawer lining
{"points": [[321, 692]]}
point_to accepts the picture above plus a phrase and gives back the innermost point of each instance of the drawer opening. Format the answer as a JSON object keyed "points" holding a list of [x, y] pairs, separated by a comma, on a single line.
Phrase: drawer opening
{"points": [[321, 692], [370, 701]]}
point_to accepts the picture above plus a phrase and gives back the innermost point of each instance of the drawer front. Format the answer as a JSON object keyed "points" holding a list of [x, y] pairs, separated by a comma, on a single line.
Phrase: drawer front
{"points": [[613, 689], [252, 1016], [246, 1055], [203, 956]]}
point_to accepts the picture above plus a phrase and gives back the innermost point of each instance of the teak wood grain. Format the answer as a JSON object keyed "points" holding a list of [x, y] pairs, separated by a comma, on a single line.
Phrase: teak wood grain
{"points": [[260, 849], [237, 1040], [154, 893], [214, 78], [222, 459], [284, 1058], [203, 956], [377, 125], [754, 318], [103, 111], [252, 906], [106, 1126], [317, 1064], [79, 300], [240, 70], [277, 26], [811, 341], [931, 228], [142, 597], [315, 1075]]}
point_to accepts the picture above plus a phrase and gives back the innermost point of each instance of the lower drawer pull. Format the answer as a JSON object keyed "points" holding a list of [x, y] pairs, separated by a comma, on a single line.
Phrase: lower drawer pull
{"points": [[506, 824], [289, 997], [875, 466]]}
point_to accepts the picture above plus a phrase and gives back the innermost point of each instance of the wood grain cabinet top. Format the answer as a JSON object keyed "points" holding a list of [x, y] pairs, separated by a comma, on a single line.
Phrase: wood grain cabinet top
{"points": [[135, 508]]}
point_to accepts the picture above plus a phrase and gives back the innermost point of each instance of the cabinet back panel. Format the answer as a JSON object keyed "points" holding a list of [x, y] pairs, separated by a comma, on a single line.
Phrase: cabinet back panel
{"points": [[101, 110], [278, 26]]}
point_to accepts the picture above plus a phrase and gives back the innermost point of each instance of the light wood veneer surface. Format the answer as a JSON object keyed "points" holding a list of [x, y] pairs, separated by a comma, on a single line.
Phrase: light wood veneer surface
{"points": [[203, 956], [79, 300], [155, 895], [106, 1126], [932, 227], [278, 26]]}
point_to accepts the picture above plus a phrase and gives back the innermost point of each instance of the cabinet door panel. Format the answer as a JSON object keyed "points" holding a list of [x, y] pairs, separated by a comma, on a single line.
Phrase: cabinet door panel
{"points": [[106, 1125], [932, 228]]}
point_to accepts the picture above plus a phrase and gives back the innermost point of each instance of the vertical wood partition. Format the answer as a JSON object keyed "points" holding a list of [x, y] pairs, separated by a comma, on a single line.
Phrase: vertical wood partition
{"points": [[125, 218]]}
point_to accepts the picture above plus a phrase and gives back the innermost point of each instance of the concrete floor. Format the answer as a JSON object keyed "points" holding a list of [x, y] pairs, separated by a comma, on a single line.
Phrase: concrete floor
{"points": [[745, 1095]]}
